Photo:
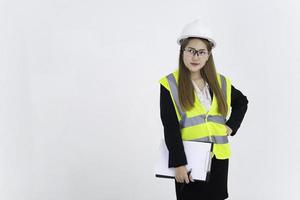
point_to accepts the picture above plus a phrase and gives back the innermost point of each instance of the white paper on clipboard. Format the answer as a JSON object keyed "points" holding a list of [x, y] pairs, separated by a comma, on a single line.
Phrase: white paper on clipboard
{"points": [[198, 156]]}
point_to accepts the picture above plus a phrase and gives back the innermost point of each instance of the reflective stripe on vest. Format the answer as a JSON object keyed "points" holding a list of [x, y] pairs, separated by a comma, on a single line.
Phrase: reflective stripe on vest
{"points": [[224, 88], [214, 139], [199, 119]]}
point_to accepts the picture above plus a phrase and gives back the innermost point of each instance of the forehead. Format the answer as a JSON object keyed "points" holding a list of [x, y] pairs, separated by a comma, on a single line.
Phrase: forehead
{"points": [[196, 44]]}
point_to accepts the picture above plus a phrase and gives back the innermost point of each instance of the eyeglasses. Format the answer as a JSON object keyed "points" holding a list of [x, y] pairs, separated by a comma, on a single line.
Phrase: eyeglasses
{"points": [[192, 52]]}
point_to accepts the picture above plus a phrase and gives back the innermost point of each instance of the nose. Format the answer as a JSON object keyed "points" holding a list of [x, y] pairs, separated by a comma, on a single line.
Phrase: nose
{"points": [[194, 57], [196, 53]]}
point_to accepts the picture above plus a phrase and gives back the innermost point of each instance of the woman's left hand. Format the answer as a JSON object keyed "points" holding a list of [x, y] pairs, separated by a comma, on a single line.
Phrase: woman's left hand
{"points": [[229, 130]]}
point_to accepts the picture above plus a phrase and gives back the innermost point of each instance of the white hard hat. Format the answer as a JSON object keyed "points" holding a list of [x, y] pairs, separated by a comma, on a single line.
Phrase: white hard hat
{"points": [[196, 28]]}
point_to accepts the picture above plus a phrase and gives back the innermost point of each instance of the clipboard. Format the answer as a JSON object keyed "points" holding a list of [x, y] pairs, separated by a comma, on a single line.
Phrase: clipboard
{"points": [[198, 154]]}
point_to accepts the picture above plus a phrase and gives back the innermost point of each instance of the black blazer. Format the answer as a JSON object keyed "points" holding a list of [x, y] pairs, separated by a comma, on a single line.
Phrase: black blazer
{"points": [[172, 134]]}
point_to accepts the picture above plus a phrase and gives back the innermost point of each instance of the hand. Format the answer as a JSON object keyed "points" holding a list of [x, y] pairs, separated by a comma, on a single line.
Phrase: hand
{"points": [[229, 130], [181, 175]]}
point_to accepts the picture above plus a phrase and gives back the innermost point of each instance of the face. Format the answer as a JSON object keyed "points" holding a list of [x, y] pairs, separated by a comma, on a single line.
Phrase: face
{"points": [[195, 62]]}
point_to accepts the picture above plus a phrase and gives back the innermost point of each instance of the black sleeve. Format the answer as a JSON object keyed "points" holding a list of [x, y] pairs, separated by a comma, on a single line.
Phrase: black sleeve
{"points": [[239, 105], [172, 133]]}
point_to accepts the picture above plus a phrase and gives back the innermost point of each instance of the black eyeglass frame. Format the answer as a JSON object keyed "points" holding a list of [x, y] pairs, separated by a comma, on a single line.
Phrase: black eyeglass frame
{"points": [[196, 51]]}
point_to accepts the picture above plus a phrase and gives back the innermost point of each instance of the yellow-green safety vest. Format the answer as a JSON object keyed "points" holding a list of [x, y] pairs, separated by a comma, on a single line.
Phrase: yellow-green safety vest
{"points": [[197, 124]]}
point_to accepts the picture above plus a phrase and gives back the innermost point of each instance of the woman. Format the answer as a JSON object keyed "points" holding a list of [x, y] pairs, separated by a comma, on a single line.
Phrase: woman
{"points": [[196, 91]]}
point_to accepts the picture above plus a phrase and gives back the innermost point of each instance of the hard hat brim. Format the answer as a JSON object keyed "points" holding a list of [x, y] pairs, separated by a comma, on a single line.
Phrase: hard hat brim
{"points": [[180, 39]]}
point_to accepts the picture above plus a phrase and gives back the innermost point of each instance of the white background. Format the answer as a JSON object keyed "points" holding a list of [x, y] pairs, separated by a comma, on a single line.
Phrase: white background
{"points": [[79, 95]]}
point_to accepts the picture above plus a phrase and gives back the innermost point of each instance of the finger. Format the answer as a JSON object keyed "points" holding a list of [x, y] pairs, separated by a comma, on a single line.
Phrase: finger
{"points": [[181, 179], [191, 178], [186, 179]]}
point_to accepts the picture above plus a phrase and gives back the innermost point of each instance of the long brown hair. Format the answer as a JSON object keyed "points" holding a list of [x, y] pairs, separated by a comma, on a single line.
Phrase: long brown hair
{"points": [[208, 73]]}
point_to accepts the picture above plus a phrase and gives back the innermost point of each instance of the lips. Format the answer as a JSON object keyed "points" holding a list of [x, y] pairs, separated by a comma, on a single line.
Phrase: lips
{"points": [[195, 63]]}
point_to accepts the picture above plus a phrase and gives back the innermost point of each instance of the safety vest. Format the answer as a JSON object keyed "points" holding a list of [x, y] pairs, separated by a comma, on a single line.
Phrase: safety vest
{"points": [[197, 124]]}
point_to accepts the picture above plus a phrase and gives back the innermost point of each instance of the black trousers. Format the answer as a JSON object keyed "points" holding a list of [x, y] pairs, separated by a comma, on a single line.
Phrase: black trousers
{"points": [[214, 189]]}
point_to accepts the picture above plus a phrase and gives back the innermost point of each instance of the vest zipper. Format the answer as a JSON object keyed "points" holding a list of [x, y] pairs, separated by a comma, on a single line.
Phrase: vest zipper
{"points": [[206, 115], [209, 135]]}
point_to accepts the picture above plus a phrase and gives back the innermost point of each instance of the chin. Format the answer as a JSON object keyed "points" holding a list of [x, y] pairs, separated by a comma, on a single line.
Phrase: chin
{"points": [[193, 69]]}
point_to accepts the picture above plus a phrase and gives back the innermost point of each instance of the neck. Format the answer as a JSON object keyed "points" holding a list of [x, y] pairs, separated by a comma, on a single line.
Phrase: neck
{"points": [[196, 76]]}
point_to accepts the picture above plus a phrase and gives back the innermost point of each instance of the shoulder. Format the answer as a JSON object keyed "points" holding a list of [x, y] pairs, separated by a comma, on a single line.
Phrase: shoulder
{"points": [[221, 77], [164, 79]]}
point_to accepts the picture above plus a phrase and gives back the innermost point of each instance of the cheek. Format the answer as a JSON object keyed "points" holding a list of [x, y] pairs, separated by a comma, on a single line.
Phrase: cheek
{"points": [[185, 60], [205, 60]]}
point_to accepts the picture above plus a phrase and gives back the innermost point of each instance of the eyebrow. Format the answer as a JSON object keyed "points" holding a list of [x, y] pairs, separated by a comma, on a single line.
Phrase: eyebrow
{"points": [[195, 49]]}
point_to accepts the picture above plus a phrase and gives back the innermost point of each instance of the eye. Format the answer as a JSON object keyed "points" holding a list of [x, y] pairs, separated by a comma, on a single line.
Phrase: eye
{"points": [[191, 50]]}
